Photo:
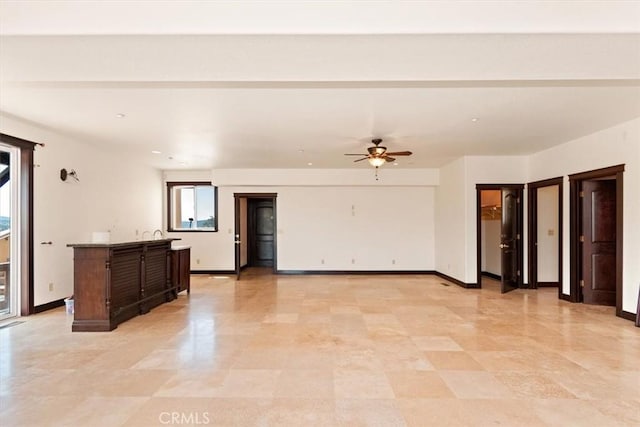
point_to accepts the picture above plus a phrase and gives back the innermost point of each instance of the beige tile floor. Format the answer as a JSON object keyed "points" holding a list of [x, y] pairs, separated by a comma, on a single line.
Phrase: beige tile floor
{"points": [[333, 351]]}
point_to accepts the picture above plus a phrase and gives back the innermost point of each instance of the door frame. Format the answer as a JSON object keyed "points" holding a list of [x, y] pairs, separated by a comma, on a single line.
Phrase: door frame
{"points": [[575, 225], [26, 299], [269, 196], [479, 189], [532, 229]]}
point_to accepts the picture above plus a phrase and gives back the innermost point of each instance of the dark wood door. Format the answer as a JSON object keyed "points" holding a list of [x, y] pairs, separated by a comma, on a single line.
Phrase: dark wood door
{"points": [[599, 246], [510, 243], [261, 233]]}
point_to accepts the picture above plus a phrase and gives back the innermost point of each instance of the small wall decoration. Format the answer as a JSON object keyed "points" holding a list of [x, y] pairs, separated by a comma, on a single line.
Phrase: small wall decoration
{"points": [[64, 174]]}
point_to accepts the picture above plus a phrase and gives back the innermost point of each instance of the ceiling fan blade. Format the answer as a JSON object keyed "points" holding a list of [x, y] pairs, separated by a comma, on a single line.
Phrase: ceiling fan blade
{"points": [[400, 153], [389, 159], [350, 154], [359, 160]]}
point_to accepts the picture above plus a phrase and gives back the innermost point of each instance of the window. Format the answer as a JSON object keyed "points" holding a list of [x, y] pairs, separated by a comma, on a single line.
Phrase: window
{"points": [[192, 206]]}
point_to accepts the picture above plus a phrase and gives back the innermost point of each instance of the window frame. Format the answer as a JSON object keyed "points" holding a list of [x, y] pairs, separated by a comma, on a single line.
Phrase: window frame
{"points": [[170, 186]]}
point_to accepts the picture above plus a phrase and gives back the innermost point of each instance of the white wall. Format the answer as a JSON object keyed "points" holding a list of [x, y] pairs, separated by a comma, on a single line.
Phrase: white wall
{"points": [[113, 194], [356, 228], [617, 145], [349, 226], [491, 253], [451, 227], [548, 233]]}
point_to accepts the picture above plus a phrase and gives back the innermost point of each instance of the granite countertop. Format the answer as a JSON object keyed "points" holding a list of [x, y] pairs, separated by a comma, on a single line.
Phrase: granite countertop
{"points": [[180, 247], [119, 244]]}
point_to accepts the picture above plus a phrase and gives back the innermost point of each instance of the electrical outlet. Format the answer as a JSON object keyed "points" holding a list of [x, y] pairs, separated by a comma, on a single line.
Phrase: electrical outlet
{"points": [[353, 260], [198, 261], [322, 261], [50, 287], [393, 261]]}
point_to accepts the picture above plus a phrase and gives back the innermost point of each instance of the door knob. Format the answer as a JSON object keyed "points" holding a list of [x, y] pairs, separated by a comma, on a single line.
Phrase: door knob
{"points": [[237, 242], [504, 246]]}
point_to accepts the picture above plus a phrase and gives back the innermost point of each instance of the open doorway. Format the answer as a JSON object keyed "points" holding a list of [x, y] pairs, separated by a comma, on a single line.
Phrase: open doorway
{"points": [[545, 233], [511, 230], [596, 216], [255, 231], [491, 221]]}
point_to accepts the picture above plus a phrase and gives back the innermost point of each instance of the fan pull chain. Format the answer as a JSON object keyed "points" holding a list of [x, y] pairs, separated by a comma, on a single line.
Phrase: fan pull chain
{"points": [[376, 173]]}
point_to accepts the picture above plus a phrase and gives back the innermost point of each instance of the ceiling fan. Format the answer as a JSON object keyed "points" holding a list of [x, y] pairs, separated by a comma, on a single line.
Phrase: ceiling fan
{"points": [[378, 155]]}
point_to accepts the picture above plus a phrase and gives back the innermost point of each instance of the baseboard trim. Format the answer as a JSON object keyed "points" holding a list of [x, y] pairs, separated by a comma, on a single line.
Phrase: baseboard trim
{"points": [[627, 315], [353, 272], [48, 306], [492, 275], [457, 282], [548, 284], [212, 272]]}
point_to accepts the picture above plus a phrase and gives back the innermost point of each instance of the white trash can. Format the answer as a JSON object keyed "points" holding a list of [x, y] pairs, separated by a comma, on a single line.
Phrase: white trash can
{"points": [[68, 305]]}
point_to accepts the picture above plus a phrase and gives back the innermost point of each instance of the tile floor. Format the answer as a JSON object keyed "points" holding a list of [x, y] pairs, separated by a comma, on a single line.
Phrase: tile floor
{"points": [[333, 351]]}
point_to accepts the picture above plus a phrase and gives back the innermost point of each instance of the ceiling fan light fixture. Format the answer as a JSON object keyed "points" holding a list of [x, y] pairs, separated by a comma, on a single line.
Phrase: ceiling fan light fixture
{"points": [[377, 150], [377, 161]]}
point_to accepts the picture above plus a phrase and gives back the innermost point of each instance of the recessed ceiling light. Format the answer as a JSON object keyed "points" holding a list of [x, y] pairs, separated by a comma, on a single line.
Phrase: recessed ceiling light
{"points": [[300, 151], [156, 152], [475, 119], [395, 164], [309, 164], [120, 116]]}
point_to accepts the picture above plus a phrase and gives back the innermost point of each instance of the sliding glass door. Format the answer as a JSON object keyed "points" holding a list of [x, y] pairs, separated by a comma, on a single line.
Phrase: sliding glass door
{"points": [[9, 231]]}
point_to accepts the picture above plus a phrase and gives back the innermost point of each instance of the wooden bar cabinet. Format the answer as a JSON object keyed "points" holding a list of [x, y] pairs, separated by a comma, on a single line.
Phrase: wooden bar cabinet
{"points": [[114, 282]]}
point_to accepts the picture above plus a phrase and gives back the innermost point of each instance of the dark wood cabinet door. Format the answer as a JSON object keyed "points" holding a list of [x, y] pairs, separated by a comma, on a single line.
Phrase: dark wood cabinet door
{"points": [[125, 283], [155, 276]]}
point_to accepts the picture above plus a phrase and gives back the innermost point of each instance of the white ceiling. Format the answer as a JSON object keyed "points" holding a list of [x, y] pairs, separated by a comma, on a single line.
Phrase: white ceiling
{"points": [[282, 84]]}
